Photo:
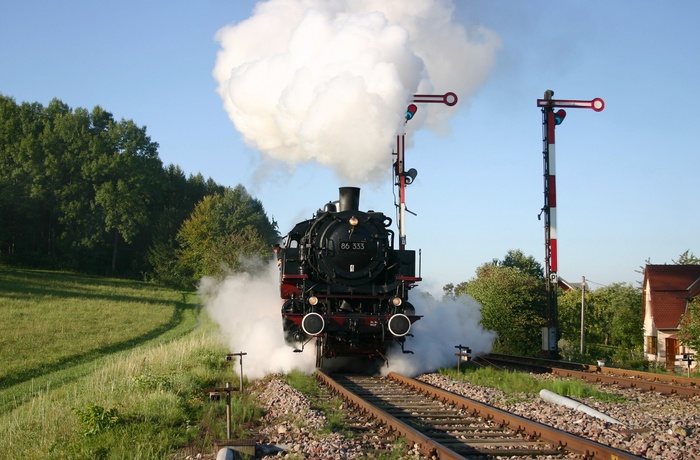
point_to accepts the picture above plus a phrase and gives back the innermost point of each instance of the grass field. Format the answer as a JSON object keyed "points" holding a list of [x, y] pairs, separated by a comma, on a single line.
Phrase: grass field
{"points": [[105, 368], [53, 323]]}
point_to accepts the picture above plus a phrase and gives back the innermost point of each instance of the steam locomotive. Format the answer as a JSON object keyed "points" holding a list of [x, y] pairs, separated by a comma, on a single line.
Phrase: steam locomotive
{"points": [[344, 284]]}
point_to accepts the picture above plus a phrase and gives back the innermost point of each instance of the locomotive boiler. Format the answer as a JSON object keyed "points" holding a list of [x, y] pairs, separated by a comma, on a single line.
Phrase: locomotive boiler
{"points": [[344, 284]]}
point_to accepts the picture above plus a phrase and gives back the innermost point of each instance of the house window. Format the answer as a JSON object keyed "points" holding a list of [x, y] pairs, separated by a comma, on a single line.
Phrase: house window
{"points": [[651, 344]]}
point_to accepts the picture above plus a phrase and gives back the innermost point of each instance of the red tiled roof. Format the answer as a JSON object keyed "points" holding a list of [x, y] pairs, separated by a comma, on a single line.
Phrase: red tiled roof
{"points": [[694, 289], [671, 277], [667, 308], [669, 288]]}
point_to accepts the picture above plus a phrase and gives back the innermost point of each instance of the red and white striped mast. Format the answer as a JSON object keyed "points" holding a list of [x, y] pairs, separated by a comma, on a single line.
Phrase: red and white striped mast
{"points": [[406, 177], [550, 119]]}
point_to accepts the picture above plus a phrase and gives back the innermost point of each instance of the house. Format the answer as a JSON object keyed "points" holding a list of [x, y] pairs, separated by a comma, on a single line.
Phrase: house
{"points": [[666, 292], [565, 286]]}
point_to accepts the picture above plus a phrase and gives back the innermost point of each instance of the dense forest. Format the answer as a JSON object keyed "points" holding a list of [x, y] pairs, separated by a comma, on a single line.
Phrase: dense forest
{"points": [[82, 191]]}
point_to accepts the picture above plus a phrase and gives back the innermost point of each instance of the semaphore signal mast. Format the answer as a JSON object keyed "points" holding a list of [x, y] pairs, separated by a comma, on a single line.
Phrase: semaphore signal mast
{"points": [[550, 119], [404, 177]]}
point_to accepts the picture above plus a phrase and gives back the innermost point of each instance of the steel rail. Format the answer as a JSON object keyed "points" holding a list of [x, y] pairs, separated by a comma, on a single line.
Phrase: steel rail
{"points": [[649, 381], [627, 382], [426, 445], [649, 376], [571, 442], [586, 448]]}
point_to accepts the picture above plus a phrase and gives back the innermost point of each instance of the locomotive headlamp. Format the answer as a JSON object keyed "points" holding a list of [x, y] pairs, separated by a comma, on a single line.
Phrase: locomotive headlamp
{"points": [[396, 301], [399, 325], [353, 221], [313, 300]]}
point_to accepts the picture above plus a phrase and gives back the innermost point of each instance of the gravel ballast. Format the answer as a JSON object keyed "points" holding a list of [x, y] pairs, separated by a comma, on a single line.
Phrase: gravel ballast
{"points": [[652, 425]]}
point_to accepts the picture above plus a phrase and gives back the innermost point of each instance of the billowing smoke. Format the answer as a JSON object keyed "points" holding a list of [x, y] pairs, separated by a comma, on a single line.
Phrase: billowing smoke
{"points": [[247, 308], [445, 324], [328, 82], [248, 311]]}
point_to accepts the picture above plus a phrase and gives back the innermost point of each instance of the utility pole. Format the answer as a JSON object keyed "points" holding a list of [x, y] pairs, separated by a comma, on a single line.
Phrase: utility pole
{"points": [[583, 303]]}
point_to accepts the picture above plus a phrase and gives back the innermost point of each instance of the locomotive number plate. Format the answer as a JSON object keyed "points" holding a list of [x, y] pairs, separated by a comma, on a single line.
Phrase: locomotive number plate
{"points": [[352, 246]]}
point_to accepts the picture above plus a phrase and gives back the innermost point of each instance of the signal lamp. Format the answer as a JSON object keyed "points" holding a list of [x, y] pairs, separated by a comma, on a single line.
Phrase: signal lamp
{"points": [[313, 300], [411, 175], [396, 301], [410, 111], [559, 116], [353, 221]]}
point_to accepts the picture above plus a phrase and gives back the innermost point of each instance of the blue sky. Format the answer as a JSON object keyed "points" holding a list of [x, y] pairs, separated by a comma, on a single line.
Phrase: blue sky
{"points": [[626, 176]]}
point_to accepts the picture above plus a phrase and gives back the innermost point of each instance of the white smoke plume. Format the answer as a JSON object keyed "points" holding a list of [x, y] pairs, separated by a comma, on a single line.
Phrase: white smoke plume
{"points": [[248, 311], [445, 324], [328, 81], [247, 308]]}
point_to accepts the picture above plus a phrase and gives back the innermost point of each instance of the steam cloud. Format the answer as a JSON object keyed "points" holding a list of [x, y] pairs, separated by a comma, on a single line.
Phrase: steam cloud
{"points": [[329, 81], [247, 308], [445, 324]]}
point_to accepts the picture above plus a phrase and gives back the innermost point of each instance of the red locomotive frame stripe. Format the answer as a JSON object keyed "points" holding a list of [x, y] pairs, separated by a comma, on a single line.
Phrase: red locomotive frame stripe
{"points": [[408, 278]]}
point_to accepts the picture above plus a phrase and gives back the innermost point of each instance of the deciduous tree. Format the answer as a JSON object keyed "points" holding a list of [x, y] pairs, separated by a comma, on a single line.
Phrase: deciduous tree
{"points": [[513, 301], [223, 229], [689, 333]]}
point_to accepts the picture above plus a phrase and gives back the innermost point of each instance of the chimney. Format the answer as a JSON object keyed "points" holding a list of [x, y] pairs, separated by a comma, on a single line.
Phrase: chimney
{"points": [[349, 199]]}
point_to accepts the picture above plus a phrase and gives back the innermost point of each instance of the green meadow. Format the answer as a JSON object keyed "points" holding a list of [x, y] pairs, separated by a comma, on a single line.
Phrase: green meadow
{"points": [[105, 368]]}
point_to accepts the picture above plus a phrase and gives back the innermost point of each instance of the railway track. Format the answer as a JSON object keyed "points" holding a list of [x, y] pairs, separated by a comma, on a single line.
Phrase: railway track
{"points": [[443, 425], [625, 378]]}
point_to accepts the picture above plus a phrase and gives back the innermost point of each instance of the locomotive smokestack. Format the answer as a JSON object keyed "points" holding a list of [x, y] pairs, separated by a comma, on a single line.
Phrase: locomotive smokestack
{"points": [[349, 199]]}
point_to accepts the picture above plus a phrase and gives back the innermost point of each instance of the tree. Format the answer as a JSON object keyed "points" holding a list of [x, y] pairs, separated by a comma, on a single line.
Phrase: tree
{"points": [[127, 182], [223, 229], [14, 193], [73, 150], [448, 291], [180, 195], [79, 190], [569, 309], [196, 239], [612, 321], [617, 315], [689, 333], [526, 264], [513, 302], [687, 258]]}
